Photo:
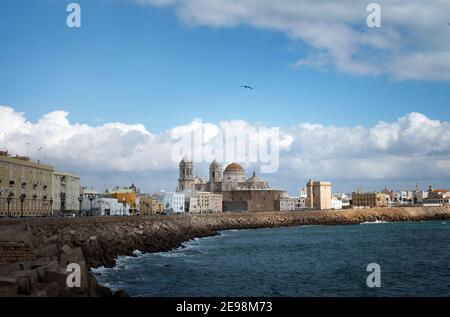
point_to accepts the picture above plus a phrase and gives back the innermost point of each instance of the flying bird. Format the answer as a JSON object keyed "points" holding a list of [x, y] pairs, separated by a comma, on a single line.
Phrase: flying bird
{"points": [[246, 87]]}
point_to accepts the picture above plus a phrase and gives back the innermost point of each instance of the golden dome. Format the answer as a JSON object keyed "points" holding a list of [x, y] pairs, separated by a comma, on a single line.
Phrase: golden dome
{"points": [[234, 167]]}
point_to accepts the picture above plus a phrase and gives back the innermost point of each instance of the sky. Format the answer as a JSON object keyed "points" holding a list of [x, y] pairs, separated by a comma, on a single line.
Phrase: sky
{"points": [[362, 107]]}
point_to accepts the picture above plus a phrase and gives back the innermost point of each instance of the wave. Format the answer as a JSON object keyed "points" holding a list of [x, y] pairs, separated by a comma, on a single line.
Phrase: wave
{"points": [[373, 222]]}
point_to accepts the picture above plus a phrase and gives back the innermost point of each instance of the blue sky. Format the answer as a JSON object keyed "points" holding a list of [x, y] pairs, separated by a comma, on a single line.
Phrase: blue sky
{"points": [[147, 64], [141, 64]]}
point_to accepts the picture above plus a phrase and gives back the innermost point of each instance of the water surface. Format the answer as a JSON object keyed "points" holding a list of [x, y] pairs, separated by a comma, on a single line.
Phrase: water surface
{"points": [[299, 261]]}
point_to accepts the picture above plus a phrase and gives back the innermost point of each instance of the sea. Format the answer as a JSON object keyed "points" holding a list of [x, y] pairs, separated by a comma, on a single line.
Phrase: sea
{"points": [[413, 259]]}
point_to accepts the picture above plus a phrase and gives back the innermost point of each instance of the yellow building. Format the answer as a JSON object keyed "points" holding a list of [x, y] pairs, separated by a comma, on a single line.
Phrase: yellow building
{"points": [[149, 205], [371, 200], [203, 202], [25, 187], [127, 195]]}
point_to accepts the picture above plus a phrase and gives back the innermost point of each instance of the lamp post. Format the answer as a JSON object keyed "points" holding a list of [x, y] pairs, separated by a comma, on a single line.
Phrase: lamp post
{"points": [[124, 203], [8, 201], [22, 201], [91, 198], [51, 206], [80, 200]]}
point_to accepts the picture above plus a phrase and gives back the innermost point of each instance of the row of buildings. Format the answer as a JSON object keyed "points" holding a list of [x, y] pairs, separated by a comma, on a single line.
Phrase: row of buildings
{"points": [[29, 188], [391, 198]]}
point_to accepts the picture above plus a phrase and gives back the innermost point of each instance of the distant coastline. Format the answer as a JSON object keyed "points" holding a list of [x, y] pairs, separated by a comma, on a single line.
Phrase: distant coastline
{"points": [[44, 245]]}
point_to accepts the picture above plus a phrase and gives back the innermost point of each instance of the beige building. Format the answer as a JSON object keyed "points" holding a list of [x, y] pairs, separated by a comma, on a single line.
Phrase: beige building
{"points": [[25, 187], [65, 192], [149, 205], [371, 200], [192, 205], [203, 202], [215, 202], [318, 195]]}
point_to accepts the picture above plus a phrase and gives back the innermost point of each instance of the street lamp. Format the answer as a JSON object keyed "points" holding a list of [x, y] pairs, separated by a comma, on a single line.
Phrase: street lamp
{"points": [[51, 206], [80, 200], [124, 203], [91, 198], [22, 200], [8, 201]]}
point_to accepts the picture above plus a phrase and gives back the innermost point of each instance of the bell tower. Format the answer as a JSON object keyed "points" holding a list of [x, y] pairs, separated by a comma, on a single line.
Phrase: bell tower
{"points": [[215, 172], [186, 178]]}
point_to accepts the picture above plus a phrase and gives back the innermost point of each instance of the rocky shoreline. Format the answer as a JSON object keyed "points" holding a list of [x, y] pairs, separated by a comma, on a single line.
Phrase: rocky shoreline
{"points": [[34, 253]]}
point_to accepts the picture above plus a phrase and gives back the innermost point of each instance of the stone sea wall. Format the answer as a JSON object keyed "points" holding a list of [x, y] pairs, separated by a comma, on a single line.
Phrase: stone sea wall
{"points": [[34, 253]]}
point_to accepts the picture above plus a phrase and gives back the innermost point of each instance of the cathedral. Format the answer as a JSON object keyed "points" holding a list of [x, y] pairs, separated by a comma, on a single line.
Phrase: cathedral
{"points": [[231, 179]]}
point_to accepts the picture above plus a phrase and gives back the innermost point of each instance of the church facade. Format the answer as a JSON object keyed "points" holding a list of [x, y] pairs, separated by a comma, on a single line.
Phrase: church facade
{"points": [[240, 194], [231, 179]]}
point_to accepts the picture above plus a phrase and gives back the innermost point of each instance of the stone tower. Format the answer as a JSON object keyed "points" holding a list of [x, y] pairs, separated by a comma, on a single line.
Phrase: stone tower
{"points": [[186, 179], [310, 194], [215, 177], [215, 172]]}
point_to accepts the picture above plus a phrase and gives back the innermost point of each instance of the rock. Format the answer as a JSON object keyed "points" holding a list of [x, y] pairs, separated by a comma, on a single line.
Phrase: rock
{"points": [[45, 290], [41, 274], [66, 249], [32, 276], [121, 293], [8, 287], [9, 269], [47, 251], [25, 266], [39, 262], [71, 256], [53, 238], [58, 276], [24, 285], [7, 281]]}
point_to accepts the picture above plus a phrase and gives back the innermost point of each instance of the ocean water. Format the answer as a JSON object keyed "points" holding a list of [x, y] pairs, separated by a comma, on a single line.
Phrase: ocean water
{"points": [[301, 261]]}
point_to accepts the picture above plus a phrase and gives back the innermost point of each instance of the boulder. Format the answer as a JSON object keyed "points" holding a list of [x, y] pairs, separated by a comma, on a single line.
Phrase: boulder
{"points": [[58, 276], [24, 285], [32, 276], [39, 262], [10, 268], [45, 290], [8, 287]]}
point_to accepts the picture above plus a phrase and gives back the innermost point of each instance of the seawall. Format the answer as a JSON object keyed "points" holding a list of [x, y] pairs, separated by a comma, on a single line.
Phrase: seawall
{"points": [[35, 252]]}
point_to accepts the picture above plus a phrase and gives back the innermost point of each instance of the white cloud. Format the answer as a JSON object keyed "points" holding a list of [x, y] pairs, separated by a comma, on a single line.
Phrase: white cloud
{"points": [[413, 42], [414, 147]]}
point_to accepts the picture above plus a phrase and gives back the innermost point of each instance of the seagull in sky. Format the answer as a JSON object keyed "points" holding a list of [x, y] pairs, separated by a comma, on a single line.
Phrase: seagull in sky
{"points": [[246, 87]]}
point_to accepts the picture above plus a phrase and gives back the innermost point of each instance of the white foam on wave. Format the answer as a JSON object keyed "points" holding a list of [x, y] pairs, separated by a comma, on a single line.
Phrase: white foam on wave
{"points": [[373, 222]]}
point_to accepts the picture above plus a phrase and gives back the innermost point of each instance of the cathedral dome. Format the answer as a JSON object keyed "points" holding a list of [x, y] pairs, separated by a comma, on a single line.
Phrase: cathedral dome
{"points": [[234, 167], [253, 179]]}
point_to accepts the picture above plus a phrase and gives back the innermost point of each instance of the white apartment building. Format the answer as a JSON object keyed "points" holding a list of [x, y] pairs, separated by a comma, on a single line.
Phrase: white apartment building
{"points": [[65, 192], [336, 203], [174, 202], [178, 203], [292, 203], [103, 206]]}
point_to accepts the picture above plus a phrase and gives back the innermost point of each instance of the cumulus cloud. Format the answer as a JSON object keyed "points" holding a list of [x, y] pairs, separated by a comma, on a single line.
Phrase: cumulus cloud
{"points": [[414, 147], [413, 42]]}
